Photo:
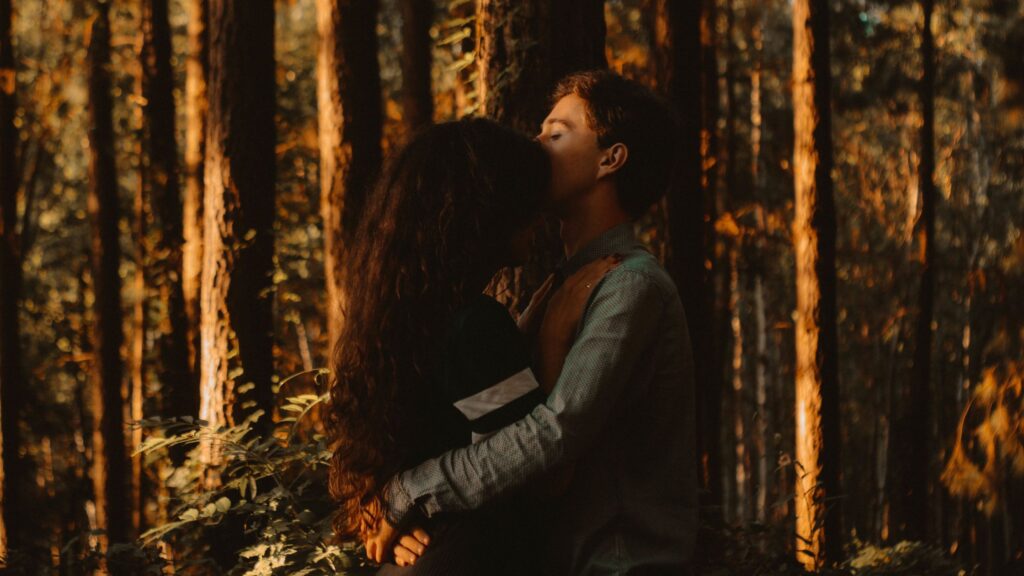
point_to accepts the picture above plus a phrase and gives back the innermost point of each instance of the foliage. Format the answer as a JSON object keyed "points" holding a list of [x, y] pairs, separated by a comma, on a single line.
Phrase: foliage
{"points": [[760, 550], [903, 558], [268, 494], [999, 435]]}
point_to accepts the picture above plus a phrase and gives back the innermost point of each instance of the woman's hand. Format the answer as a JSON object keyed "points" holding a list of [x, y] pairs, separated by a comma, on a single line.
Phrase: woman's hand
{"points": [[563, 314], [565, 309], [411, 546], [529, 321]]}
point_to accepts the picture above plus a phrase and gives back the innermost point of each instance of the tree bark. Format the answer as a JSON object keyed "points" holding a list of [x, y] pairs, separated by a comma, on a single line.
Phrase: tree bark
{"points": [[819, 529], [738, 422], [137, 332], [109, 471], [512, 79], [238, 216], [579, 46], [196, 108], [417, 98], [13, 390], [521, 52], [161, 160], [681, 51], [910, 506], [350, 124], [760, 428]]}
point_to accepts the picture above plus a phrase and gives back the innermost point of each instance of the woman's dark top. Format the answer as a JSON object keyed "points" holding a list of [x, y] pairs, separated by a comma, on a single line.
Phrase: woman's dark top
{"points": [[482, 383]]}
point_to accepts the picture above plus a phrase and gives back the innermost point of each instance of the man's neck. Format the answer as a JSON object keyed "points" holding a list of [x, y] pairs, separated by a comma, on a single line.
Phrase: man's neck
{"points": [[586, 223]]}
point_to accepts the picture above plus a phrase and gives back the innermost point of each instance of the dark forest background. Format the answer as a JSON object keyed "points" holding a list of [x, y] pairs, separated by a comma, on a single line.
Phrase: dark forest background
{"points": [[178, 180]]}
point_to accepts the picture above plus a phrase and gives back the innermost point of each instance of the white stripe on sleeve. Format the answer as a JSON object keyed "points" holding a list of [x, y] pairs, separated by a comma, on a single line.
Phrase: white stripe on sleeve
{"points": [[489, 400]]}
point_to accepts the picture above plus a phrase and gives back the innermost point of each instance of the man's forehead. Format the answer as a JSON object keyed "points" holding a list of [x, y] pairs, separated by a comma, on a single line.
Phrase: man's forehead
{"points": [[569, 110]]}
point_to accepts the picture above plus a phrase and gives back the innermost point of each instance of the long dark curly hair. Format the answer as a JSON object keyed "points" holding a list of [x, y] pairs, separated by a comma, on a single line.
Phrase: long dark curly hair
{"points": [[436, 226]]}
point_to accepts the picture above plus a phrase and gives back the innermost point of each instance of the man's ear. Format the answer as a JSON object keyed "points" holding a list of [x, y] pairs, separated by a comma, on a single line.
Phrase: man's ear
{"points": [[612, 160]]}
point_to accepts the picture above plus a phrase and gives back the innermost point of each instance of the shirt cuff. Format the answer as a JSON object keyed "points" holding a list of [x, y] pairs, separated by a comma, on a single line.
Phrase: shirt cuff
{"points": [[397, 502]]}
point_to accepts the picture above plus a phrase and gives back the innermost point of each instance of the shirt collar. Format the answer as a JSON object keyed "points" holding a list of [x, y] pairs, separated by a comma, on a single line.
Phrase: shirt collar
{"points": [[617, 240]]}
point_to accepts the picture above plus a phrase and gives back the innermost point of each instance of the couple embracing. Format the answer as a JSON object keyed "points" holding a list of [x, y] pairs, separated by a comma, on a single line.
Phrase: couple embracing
{"points": [[467, 442]]}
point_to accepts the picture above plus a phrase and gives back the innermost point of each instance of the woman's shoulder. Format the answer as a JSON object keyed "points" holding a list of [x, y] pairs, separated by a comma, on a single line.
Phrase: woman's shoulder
{"points": [[484, 344], [483, 316]]}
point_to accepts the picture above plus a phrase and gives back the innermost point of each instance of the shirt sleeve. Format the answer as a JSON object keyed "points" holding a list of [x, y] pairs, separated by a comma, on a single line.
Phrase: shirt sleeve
{"points": [[487, 369], [619, 325]]}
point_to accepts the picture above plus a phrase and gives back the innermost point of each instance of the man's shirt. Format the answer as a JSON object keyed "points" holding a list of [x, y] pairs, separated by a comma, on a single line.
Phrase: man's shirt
{"points": [[622, 412]]}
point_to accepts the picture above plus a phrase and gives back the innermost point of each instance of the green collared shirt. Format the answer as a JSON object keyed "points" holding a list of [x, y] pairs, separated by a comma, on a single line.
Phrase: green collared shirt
{"points": [[622, 412]]}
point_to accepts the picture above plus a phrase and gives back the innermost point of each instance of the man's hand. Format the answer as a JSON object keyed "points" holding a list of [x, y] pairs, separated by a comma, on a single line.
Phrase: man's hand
{"points": [[411, 546]]}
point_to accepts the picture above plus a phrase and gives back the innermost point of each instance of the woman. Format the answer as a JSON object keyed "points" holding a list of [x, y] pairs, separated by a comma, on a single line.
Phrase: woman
{"points": [[423, 351]]}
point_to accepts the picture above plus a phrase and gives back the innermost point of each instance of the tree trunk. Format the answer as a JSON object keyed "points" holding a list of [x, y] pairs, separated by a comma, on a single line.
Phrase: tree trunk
{"points": [[109, 471], [238, 216], [760, 324], [417, 98], [196, 106], [912, 513], [738, 424], [819, 534], [350, 124], [680, 50], [161, 159], [13, 390], [522, 50], [512, 79], [579, 46], [137, 333]]}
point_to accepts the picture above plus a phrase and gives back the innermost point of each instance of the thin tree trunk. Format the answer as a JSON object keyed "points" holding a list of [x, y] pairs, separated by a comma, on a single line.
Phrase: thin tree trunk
{"points": [[137, 345], [915, 458], [681, 52], [12, 384], [417, 98], [165, 204], [819, 524], [349, 104], [196, 107], [238, 217], [760, 323], [109, 467], [738, 424]]}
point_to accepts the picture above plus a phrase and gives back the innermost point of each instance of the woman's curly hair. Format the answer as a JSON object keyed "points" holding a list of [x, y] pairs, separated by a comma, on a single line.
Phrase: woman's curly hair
{"points": [[443, 213]]}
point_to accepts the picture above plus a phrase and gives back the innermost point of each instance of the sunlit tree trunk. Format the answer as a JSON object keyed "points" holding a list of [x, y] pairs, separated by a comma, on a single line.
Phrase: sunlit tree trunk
{"points": [[417, 99], [137, 333], [12, 384], [238, 216], [109, 470], [349, 104], [680, 51], [196, 70], [819, 534], [738, 423]]}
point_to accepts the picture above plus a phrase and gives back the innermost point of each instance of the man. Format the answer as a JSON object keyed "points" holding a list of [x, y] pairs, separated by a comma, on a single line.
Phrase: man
{"points": [[622, 410]]}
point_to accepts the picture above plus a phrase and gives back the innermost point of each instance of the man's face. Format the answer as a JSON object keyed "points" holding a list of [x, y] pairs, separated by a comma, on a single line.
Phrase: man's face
{"points": [[572, 145]]}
